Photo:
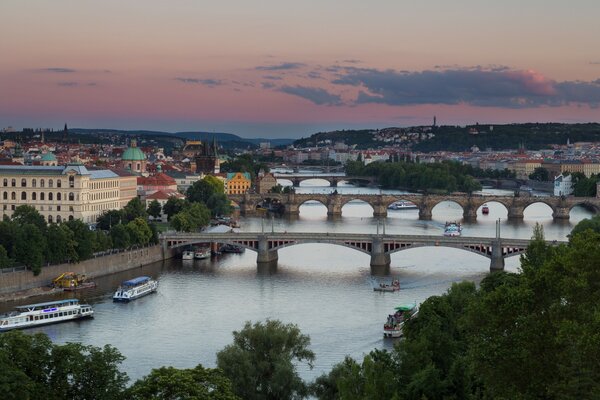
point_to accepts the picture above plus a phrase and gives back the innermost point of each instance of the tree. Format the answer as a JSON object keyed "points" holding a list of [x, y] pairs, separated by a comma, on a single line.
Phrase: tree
{"points": [[585, 224], [219, 204], [134, 209], [192, 218], [108, 219], [61, 244], [154, 208], [119, 235], [84, 237], [215, 182], [30, 247], [200, 191], [261, 362], [29, 215], [174, 206], [540, 174], [5, 261], [139, 231], [168, 383]]}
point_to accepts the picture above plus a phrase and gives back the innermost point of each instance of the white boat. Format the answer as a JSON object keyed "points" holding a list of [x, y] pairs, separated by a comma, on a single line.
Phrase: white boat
{"points": [[395, 322], [202, 254], [452, 229], [187, 255], [135, 288], [44, 313], [403, 205]]}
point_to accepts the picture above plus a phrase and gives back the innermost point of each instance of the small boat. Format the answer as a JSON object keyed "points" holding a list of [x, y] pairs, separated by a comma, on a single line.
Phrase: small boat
{"points": [[485, 210], [395, 322], [388, 287], [135, 288], [44, 313], [202, 254], [231, 248], [71, 281], [83, 285], [187, 255], [452, 229], [403, 205]]}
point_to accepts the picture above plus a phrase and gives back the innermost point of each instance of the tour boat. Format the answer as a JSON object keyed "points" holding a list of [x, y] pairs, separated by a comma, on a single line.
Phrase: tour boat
{"points": [[395, 322], [452, 229], [385, 287], [230, 248], [202, 254], [187, 255], [44, 313], [403, 205], [485, 209], [134, 288]]}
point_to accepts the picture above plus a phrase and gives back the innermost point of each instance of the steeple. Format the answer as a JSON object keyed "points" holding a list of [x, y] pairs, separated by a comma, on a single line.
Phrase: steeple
{"points": [[215, 152]]}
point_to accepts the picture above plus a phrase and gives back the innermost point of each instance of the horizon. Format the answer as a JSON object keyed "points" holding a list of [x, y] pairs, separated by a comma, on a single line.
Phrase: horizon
{"points": [[291, 69]]}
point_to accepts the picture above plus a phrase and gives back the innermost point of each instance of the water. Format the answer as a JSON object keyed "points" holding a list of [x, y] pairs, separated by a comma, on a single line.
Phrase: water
{"points": [[325, 289]]}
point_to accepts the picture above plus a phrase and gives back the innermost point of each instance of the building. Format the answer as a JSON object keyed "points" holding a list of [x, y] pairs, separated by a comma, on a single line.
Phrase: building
{"points": [[62, 193], [563, 185], [204, 158], [237, 183], [48, 160], [265, 182], [134, 159], [184, 180], [524, 168]]}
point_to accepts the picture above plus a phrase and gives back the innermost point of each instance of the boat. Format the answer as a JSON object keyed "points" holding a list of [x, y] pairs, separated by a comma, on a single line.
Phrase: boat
{"points": [[452, 229], [71, 281], [395, 322], [187, 255], [231, 248], [403, 205], [135, 288], [388, 287], [44, 313], [202, 254], [485, 210]]}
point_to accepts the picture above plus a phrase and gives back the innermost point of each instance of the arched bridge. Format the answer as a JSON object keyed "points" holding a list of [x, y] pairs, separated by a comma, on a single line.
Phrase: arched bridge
{"points": [[333, 179], [379, 247], [516, 205]]}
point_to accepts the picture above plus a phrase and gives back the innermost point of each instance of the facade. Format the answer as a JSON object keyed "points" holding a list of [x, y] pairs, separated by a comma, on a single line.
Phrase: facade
{"points": [[204, 157], [184, 180], [237, 183], [524, 168], [62, 193], [563, 185], [265, 183]]}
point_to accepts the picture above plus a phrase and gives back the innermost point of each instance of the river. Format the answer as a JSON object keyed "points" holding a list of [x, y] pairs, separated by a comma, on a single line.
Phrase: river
{"points": [[325, 289]]}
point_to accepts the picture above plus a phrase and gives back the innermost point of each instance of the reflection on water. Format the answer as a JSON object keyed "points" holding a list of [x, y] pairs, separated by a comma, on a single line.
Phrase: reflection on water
{"points": [[199, 303]]}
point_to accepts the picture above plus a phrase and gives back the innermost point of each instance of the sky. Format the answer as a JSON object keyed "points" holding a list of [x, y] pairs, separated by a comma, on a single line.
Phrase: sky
{"points": [[277, 68]]}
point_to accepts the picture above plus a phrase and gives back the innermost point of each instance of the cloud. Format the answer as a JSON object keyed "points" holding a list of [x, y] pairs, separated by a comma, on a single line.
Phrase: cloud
{"points": [[59, 70], [314, 75], [352, 61], [494, 86], [68, 84], [317, 96], [595, 62], [280, 67], [206, 82], [268, 85], [272, 77]]}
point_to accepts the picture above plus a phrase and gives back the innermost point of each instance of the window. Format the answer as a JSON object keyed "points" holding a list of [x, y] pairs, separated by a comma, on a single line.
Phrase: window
{"points": [[58, 183], [23, 195], [71, 196], [58, 218], [71, 181], [42, 183], [33, 182], [34, 196], [57, 208], [23, 182], [58, 196], [5, 196], [50, 219], [13, 196], [42, 196], [50, 183], [12, 207], [5, 182], [70, 218], [71, 208], [13, 182], [50, 196]]}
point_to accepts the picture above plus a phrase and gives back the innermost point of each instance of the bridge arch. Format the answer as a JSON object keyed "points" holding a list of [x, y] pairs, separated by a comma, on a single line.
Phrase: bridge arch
{"points": [[313, 179], [546, 212], [459, 211], [363, 249], [309, 199], [356, 208], [497, 208], [484, 250], [586, 205]]}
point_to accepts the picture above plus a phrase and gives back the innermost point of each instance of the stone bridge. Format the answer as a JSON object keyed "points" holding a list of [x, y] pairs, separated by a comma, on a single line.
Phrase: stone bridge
{"points": [[516, 205], [333, 179], [379, 247]]}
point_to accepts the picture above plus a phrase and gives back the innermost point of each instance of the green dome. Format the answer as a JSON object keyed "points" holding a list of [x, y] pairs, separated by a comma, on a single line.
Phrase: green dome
{"points": [[48, 157], [133, 154]]}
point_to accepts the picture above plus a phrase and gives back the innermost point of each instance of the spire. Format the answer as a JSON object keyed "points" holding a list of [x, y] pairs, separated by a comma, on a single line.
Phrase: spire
{"points": [[215, 153]]}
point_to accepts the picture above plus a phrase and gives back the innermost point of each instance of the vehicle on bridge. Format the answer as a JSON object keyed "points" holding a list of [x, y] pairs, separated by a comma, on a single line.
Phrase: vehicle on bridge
{"points": [[452, 229], [395, 322]]}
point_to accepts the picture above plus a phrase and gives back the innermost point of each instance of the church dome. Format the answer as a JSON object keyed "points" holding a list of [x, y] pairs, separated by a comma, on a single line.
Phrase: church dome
{"points": [[133, 153], [48, 157]]}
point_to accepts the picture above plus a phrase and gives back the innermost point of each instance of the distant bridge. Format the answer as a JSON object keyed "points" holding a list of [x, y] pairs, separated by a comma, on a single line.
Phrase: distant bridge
{"points": [[516, 205], [379, 247], [333, 179]]}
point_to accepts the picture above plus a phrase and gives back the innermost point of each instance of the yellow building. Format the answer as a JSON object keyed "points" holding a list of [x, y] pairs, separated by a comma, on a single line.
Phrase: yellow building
{"points": [[524, 168], [237, 183]]}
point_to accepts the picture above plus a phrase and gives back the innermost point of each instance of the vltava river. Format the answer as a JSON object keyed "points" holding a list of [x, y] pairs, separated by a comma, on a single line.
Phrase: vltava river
{"points": [[325, 289]]}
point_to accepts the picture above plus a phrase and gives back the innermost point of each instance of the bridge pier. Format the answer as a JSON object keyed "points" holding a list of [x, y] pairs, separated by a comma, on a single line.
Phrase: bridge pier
{"points": [[515, 212], [425, 213], [292, 209], [561, 213], [379, 258], [333, 183], [470, 213], [497, 261], [266, 257]]}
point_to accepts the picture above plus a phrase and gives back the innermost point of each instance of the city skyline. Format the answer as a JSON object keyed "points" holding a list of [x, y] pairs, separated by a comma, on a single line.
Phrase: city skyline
{"points": [[289, 69]]}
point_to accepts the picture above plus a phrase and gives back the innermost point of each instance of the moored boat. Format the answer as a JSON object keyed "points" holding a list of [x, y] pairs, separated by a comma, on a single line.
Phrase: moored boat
{"points": [[187, 255], [388, 287], [135, 288], [395, 322], [230, 248], [44, 313], [202, 254], [485, 210], [452, 229], [403, 205]]}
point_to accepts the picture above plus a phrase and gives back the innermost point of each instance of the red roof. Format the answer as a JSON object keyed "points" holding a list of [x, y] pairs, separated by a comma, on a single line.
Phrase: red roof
{"points": [[159, 179], [164, 195]]}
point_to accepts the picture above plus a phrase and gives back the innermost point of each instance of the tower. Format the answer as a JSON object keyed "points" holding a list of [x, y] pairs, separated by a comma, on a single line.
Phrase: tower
{"points": [[434, 121]]}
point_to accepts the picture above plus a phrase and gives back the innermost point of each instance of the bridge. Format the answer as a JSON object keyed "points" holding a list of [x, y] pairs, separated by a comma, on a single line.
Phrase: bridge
{"points": [[333, 179], [378, 246], [516, 205]]}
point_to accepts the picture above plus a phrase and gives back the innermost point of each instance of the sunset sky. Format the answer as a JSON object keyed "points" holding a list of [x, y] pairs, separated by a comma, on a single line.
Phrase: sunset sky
{"points": [[277, 68]]}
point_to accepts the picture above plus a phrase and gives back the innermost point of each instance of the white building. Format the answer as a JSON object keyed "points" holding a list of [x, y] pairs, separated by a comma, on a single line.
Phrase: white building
{"points": [[563, 185]]}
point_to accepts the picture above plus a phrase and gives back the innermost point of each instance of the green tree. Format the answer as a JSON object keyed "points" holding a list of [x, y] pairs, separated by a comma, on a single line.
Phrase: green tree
{"points": [[29, 215], [540, 174], [174, 206], [139, 231], [154, 208], [84, 237], [5, 261], [182, 222], [30, 247], [134, 209], [200, 191], [108, 219], [219, 204], [215, 182], [261, 362], [119, 235], [62, 245], [169, 383], [585, 224]]}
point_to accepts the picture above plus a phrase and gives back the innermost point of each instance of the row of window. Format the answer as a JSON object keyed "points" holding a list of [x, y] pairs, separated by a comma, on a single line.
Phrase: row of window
{"points": [[13, 196], [104, 185], [104, 195], [54, 315], [13, 207], [13, 182]]}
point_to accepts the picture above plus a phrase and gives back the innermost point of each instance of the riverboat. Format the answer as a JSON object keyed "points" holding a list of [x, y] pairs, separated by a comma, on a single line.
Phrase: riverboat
{"points": [[135, 288], [485, 210], [403, 205], [187, 255], [38, 314], [202, 254], [388, 287], [452, 229], [395, 322], [231, 248]]}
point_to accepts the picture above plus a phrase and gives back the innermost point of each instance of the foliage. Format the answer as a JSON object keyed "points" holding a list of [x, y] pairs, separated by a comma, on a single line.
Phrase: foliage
{"points": [[540, 174], [585, 224], [154, 208], [134, 209], [30, 247], [244, 163], [5, 260], [62, 245], [139, 231], [174, 206], [108, 219], [584, 187], [209, 191], [29, 215], [168, 383], [261, 362], [192, 218], [84, 238], [120, 236]]}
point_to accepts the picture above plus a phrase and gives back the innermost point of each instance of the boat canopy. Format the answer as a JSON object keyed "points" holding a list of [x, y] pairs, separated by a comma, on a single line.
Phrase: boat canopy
{"points": [[405, 307], [136, 281], [50, 303]]}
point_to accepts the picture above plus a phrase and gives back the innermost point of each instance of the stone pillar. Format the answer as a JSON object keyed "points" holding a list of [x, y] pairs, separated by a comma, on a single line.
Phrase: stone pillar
{"points": [[292, 209], [470, 213], [515, 212], [379, 208], [497, 262], [334, 205], [266, 256], [379, 258], [334, 182], [425, 212], [561, 213], [296, 182]]}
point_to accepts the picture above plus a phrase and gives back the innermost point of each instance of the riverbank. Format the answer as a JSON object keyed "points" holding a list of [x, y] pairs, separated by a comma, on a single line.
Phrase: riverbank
{"points": [[24, 284]]}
